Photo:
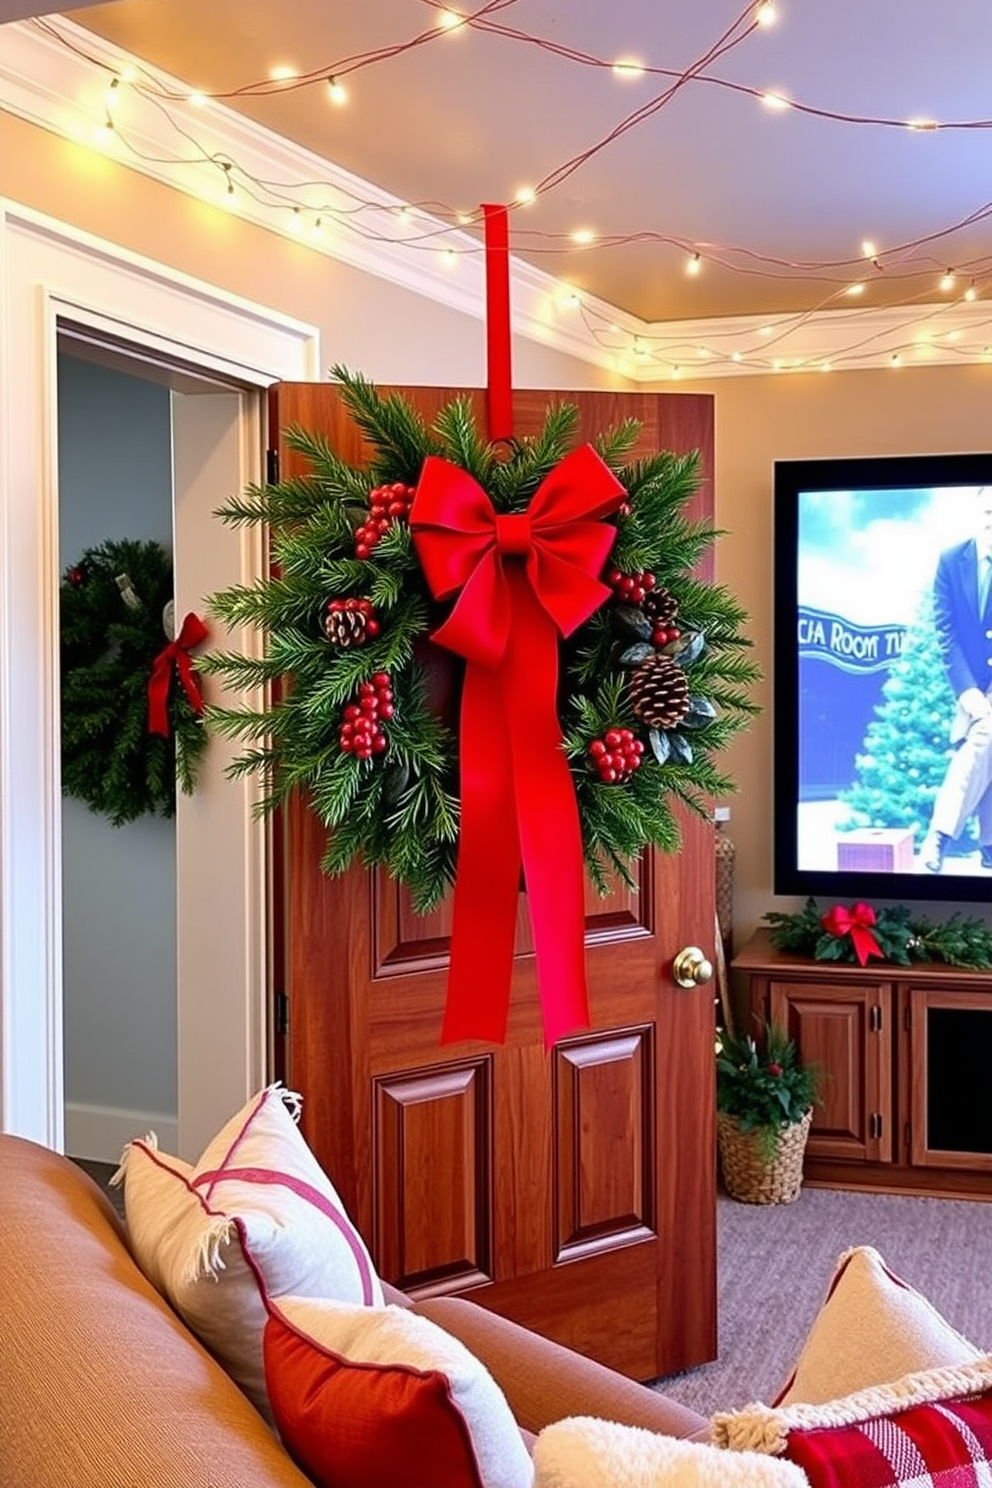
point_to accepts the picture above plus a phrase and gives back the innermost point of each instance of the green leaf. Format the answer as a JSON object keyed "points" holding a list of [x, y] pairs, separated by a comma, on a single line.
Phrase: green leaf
{"points": [[686, 648], [701, 712], [633, 621], [634, 655], [681, 749], [661, 745]]}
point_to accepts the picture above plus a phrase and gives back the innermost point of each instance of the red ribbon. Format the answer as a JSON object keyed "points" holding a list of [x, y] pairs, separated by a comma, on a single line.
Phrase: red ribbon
{"points": [[855, 922], [499, 395], [193, 632], [525, 579]]}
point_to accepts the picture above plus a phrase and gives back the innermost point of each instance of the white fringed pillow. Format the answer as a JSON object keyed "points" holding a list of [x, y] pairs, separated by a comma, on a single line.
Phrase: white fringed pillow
{"points": [[255, 1218], [583, 1452], [872, 1328], [379, 1396]]}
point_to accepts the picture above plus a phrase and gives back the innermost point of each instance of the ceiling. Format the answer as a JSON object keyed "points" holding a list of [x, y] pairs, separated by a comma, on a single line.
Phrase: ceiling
{"points": [[776, 202]]}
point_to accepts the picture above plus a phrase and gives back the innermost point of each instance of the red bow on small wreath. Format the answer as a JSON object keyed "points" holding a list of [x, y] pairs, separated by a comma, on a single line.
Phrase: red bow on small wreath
{"points": [[176, 652], [855, 922]]}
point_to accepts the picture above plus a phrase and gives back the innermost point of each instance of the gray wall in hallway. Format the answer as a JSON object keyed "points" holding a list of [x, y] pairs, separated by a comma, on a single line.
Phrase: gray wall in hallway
{"points": [[119, 901]]}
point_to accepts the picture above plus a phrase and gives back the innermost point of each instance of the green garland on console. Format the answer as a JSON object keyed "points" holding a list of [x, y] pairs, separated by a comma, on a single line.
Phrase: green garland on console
{"points": [[651, 688], [112, 602], [902, 939]]}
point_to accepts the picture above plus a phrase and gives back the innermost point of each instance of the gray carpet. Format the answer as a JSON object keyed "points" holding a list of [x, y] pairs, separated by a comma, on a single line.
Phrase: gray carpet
{"points": [[775, 1263]]}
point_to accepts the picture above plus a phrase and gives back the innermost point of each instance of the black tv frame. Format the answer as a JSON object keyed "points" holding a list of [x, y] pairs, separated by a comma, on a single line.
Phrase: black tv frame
{"points": [[791, 478]]}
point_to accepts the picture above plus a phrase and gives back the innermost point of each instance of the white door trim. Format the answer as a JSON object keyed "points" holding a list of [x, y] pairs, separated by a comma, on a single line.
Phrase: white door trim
{"points": [[50, 272]]}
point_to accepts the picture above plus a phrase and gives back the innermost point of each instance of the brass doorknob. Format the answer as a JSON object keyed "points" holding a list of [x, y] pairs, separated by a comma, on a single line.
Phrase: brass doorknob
{"points": [[691, 968]]}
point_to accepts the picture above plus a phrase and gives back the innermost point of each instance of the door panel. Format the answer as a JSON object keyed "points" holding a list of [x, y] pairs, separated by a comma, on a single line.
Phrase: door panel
{"points": [[573, 1191]]}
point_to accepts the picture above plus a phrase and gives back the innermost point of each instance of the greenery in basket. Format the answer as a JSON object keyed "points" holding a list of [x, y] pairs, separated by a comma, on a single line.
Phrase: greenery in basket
{"points": [[764, 1084]]}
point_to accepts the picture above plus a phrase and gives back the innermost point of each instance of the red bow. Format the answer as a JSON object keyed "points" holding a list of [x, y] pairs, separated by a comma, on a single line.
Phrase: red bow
{"points": [[193, 632], [525, 579], [855, 922]]}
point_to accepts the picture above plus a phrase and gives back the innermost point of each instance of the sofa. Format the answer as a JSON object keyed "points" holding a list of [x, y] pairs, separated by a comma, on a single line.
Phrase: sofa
{"points": [[102, 1385]]}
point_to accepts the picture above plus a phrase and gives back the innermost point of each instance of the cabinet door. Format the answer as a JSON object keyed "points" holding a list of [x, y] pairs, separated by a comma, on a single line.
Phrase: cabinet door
{"points": [[950, 1055], [847, 1031]]}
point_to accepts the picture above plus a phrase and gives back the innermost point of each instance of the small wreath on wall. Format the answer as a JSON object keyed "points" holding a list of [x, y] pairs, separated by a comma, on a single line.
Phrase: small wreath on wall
{"points": [[131, 706], [651, 688]]}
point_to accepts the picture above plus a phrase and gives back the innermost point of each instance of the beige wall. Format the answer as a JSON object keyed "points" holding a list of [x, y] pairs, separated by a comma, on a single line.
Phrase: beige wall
{"points": [[758, 420], [380, 329]]}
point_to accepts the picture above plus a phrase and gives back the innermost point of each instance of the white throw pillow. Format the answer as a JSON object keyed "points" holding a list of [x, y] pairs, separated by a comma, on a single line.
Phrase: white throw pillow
{"points": [[367, 1396], [255, 1218], [872, 1328], [582, 1452]]}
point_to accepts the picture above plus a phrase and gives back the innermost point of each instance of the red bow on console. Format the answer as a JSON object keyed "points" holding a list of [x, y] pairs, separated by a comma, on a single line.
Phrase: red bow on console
{"points": [[525, 579], [193, 632], [855, 922]]}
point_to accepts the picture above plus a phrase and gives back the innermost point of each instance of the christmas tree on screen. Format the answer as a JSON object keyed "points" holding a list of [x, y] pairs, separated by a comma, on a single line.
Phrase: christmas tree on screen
{"points": [[906, 750]]}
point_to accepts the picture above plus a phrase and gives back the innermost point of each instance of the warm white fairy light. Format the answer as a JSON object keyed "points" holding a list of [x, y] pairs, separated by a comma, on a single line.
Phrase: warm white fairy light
{"points": [[766, 14], [450, 20], [948, 281], [766, 330], [296, 220], [450, 258], [282, 73], [570, 300], [693, 264], [775, 101], [971, 293], [128, 74], [736, 356], [896, 359], [112, 97], [922, 126], [336, 92], [583, 235], [525, 195], [856, 288], [676, 373], [626, 67], [826, 366], [103, 133], [318, 228], [198, 100], [868, 248]]}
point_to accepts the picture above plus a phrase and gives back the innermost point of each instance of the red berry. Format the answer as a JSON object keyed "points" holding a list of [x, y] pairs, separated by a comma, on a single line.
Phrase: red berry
{"points": [[597, 748], [369, 705], [386, 710], [372, 629], [637, 593], [613, 577], [378, 743], [352, 711], [397, 509], [362, 550], [380, 679], [613, 737], [608, 775], [648, 580], [365, 689]]}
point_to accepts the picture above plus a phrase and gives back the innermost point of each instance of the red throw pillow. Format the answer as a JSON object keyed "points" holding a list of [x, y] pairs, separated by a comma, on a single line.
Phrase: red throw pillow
{"points": [[947, 1443], [377, 1397]]}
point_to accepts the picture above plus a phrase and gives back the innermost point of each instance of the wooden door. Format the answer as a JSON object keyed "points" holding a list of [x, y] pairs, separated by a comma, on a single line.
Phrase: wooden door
{"points": [[572, 1191]]}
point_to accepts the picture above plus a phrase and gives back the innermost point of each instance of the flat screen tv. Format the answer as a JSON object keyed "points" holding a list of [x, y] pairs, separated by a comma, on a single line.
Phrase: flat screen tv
{"points": [[863, 702]]}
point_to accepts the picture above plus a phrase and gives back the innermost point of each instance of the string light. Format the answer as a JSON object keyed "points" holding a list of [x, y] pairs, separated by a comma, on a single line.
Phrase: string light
{"points": [[450, 20], [766, 14], [583, 236], [896, 359], [525, 195], [693, 264], [336, 92], [628, 69], [283, 74], [948, 281], [868, 249], [198, 100], [775, 101], [971, 293], [855, 289], [112, 97]]}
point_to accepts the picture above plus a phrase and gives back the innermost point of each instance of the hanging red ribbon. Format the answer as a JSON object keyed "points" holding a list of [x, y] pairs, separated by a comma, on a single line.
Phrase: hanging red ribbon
{"points": [[176, 652], [499, 394], [855, 922], [525, 579]]}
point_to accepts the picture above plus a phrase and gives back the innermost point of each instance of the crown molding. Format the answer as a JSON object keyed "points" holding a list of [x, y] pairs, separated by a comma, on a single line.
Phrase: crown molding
{"points": [[60, 86]]}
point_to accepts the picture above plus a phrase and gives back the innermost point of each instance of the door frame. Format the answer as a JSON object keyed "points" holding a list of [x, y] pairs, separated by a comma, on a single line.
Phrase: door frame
{"points": [[53, 273]]}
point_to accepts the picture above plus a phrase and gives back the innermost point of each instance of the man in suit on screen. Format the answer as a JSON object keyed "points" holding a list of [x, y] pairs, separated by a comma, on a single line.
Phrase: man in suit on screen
{"points": [[963, 620]]}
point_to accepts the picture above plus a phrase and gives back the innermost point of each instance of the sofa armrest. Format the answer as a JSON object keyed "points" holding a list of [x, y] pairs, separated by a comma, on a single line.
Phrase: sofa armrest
{"points": [[544, 1381]]}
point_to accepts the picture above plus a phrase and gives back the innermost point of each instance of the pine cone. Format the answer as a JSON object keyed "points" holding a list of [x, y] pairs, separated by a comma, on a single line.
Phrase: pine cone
{"points": [[660, 606], [659, 692], [350, 622]]}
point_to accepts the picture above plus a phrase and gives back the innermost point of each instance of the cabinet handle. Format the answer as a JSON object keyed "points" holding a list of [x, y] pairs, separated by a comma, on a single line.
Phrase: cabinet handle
{"points": [[875, 1129], [875, 1020]]}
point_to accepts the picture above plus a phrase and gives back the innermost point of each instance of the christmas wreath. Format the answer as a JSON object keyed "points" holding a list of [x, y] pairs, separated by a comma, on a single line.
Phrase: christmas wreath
{"points": [[651, 687], [127, 734], [888, 934]]}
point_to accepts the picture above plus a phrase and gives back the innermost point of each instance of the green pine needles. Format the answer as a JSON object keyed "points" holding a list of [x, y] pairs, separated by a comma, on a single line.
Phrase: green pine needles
{"points": [[112, 602], [904, 939], [344, 617]]}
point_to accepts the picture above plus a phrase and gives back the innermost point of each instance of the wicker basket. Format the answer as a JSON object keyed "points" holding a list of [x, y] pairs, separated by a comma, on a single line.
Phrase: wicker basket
{"points": [[750, 1176]]}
